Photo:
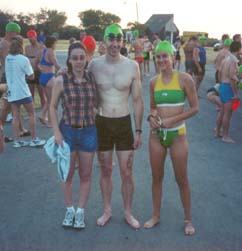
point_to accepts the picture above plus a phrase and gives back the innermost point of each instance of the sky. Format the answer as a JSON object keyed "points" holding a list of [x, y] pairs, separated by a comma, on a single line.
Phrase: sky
{"points": [[211, 16]]}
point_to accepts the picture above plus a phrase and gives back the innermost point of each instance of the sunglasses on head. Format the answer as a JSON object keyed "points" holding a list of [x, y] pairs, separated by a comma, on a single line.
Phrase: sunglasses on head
{"points": [[112, 37]]}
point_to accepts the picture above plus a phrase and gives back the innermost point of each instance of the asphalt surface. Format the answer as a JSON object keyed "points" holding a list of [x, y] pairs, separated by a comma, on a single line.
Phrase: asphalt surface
{"points": [[32, 208]]}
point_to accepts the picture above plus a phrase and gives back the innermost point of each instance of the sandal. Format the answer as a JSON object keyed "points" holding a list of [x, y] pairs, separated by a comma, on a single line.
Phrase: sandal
{"points": [[42, 121], [25, 133]]}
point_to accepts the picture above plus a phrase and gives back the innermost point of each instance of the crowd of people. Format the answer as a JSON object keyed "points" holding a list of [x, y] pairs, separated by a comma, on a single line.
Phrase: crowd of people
{"points": [[94, 93]]}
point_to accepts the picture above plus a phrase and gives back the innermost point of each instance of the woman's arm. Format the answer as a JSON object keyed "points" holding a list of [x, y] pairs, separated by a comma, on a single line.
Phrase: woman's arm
{"points": [[56, 94]]}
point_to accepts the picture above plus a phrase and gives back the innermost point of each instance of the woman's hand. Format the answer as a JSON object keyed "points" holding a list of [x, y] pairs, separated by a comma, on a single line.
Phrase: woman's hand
{"points": [[59, 138]]}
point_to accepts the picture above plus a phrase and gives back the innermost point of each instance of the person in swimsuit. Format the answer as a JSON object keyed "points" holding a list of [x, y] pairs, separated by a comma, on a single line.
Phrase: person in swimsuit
{"points": [[146, 55], [168, 92], [137, 46], [228, 91], [199, 58], [77, 90], [155, 42], [31, 52], [117, 79], [222, 54], [188, 52], [46, 60]]}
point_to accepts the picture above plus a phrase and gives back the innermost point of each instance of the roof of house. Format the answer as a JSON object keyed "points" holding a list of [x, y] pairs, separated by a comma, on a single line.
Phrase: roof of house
{"points": [[158, 21]]}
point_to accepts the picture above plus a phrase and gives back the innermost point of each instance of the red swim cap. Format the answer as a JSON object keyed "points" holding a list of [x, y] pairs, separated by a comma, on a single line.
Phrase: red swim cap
{"points": [[90, 43], [31, 34]]}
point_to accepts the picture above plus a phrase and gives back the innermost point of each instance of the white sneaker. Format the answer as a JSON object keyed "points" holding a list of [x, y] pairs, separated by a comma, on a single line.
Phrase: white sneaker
{"points": [[20, 143], [79, 220], [37, 142], [69, 218]]}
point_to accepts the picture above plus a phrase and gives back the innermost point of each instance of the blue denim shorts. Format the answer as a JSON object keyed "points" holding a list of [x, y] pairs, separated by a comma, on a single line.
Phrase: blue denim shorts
{"points": [[225, 92], [23, 101], [83, 139]]}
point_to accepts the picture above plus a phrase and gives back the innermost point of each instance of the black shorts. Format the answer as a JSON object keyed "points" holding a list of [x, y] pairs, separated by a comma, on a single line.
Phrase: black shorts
{"points": [[36, 78], [114, 132]]}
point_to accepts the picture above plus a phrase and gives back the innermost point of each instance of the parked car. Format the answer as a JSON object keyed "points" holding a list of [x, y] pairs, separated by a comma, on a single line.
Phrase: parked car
{"points": [[217, 47]]}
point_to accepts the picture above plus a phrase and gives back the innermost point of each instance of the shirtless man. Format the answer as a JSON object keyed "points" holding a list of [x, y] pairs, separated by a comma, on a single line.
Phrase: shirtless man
{"points": [[31, 52], [137, 46], [228, 89], [188, 52], [155, 42], [117, 78], [199, 58], [222, 54]]}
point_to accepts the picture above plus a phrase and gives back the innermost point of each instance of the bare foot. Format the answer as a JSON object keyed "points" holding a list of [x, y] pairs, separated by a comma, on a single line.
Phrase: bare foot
{"points": [[132, 221], [152, 222], [189, 229], [103, 220], [228, 140]]}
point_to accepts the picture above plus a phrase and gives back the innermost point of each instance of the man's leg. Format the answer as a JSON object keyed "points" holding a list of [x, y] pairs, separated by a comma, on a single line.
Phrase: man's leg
{"points": [[125, 159], [226, 122], [105, 160]]}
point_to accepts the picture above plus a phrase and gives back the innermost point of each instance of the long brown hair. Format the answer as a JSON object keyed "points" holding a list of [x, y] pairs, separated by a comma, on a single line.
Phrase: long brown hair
{"points": [[75, 45], [16, 45]]}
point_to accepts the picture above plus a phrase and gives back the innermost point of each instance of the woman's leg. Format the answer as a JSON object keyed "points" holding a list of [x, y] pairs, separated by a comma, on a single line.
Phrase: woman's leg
{"points": [[85, 172], [32, 120], [16, 120], [157, 161], [179, 154]]}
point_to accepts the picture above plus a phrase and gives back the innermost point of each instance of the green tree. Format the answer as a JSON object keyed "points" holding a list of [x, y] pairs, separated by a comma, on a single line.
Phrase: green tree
{"points": [[5, 17], [95, 21], [142, 28], [50, 21]]}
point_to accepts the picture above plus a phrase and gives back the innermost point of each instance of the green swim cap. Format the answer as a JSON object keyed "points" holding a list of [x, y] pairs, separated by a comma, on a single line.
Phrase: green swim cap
{"points": [[14, 27], [240, 69], [136, 33], [228, 42], [112, 29], [164, 46], [202, 38]]}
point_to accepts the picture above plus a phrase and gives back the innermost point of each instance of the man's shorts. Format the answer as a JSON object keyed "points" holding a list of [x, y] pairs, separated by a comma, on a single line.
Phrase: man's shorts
{"points": [[36, 78], [114, 132], [79, 139], [146, 55], [189, 65], [225, 92], [139, 59]]}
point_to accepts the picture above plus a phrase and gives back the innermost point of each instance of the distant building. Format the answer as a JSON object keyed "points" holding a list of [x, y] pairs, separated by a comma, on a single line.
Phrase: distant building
{"points": [[164, 25]]}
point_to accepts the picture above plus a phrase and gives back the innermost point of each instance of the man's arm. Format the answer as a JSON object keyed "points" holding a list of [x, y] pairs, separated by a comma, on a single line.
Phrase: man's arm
{"points": [[136, 92]]}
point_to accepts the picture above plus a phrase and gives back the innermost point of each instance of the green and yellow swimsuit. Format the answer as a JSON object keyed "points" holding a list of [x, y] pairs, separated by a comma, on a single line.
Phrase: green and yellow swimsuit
{"points": [[167, 95]]}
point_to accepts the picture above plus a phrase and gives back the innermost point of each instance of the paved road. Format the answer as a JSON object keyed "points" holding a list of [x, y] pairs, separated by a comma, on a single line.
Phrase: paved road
{"points": [[32, 209]]}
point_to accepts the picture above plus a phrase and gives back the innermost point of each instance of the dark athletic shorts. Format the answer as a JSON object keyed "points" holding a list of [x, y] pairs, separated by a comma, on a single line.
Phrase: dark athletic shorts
{"points": [[114, 132]]}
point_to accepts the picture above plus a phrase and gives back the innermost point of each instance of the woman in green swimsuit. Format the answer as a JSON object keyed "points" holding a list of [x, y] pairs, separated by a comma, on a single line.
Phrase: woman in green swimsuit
{"points": [[168, 92]]}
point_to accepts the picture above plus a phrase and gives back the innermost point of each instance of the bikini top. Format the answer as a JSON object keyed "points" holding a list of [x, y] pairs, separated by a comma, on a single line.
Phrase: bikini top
{"points": [[169, 94], [43, 61]]}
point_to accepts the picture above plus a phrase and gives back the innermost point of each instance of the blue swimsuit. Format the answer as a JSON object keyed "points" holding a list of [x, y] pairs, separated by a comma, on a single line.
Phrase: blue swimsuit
{"points": [[45, 77]]}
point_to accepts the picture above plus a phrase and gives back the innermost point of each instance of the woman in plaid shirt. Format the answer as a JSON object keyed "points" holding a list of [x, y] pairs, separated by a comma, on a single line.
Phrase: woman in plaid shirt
{"points": [[77, 91]]}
